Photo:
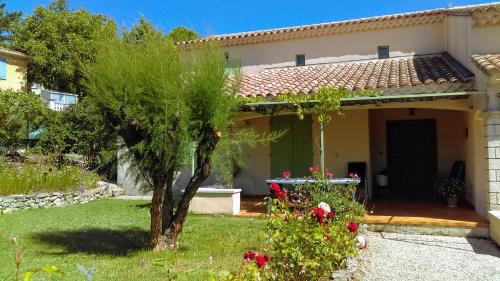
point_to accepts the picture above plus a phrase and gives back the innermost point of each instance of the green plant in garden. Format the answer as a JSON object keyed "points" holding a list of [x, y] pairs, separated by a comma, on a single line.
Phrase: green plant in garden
{"points": [[28, 275], [449, 188], [20, 112], [59, 43], [160, 101], [80, 129], [307, 240], [26, 178]]}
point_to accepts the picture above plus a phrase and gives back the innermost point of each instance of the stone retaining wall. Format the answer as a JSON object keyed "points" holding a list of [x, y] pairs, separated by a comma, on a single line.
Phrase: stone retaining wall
{"points": [[20, 202]]}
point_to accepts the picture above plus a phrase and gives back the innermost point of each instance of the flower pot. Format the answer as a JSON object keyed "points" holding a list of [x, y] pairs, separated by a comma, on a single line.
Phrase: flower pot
{"points": [[452, 202]]}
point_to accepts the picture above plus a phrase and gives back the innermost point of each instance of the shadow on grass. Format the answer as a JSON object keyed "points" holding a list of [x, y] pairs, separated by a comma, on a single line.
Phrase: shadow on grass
{"points": [[97, 241], [144, 206]]}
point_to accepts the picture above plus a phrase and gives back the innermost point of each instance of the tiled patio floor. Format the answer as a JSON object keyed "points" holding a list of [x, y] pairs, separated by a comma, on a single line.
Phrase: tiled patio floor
{"points": [[392, 211]]}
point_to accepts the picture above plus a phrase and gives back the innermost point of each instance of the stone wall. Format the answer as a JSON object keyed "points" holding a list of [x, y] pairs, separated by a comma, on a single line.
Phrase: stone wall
{"points": [[20, 202], [493, 146]]}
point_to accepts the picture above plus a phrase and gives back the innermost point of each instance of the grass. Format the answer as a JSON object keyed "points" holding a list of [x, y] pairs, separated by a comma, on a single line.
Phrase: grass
{"points": [[26, 178], [112, 235]]}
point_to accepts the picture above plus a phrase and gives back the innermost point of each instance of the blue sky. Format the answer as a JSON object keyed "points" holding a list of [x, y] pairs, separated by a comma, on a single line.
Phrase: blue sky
{"points": [[209, 17]]}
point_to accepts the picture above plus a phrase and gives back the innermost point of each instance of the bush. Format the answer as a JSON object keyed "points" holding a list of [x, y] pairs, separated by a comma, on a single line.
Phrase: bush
{"points": [[311, 232], [26, 178], [449, 188]]}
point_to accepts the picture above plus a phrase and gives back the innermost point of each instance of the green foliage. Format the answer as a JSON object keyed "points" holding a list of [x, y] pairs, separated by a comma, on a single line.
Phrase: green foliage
{"points": [[60, 43], [26, 178], [80, 129], [340, 198], [7, 22], [138, 87], [181, 33], [138, 32], [449, 188], [19, 112], [322, 103], [48, 269], [310, 233], [164, 105], [228, 157]]}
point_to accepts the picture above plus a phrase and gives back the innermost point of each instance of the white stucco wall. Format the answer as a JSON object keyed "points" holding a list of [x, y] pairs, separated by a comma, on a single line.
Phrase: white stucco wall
{"points": [[420, 39], [457, 34]]}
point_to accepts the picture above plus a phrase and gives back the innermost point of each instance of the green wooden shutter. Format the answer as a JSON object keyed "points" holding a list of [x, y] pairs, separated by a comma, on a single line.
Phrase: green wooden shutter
{"points": [[293, 151]]}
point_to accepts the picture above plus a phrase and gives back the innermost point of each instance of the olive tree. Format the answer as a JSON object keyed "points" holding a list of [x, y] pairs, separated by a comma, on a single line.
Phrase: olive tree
{"points": [[160, 100]]}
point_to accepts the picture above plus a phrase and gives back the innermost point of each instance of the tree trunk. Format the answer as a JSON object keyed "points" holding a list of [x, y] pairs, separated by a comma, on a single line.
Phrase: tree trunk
{"points": [[168, 202], [203, 154], [156, 216]]}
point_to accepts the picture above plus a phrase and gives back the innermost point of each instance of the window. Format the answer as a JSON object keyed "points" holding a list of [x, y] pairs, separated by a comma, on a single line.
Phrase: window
{"points": [[300, 60], [3, 69], [383, 52]]}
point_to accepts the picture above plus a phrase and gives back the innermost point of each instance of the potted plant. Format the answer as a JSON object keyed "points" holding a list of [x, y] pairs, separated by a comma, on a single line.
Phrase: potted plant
{"points": [[451, 190]]}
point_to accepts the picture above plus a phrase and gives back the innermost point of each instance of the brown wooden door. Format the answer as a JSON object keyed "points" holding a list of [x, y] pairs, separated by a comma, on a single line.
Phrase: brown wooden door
{"points": [[411, 157]]}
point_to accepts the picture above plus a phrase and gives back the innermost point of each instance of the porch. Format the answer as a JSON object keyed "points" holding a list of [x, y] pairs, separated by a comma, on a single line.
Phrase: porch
{"points": [[406, 216]]}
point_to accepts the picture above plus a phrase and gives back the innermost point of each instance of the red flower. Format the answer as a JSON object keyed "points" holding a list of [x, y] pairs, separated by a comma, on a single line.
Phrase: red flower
{"points": [[286, 174], [275, 187], [261, 260], [353, 175], [281, 195], [329, 174], [319, 214], [249, 255], [313, 169], [330, 215], [353, 227]]}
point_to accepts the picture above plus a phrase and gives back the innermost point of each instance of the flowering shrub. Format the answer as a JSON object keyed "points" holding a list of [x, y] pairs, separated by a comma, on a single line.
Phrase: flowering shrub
{"points": [[306, 241]]}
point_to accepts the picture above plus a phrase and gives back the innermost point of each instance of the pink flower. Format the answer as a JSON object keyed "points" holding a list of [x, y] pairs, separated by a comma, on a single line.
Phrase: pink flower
{"points": [[353, 175], [313, 169], [286, 174], [328, 174], [353, 227], [249, 255]]}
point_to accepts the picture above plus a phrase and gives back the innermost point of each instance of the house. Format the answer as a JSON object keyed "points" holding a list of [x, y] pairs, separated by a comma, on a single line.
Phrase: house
{"points": [[438, 77], [56, 100], [13, 70]]}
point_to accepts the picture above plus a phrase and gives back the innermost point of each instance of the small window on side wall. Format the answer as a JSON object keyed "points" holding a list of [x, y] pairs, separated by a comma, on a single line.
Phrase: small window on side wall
{"points": [[300, 60], [383, 52]]}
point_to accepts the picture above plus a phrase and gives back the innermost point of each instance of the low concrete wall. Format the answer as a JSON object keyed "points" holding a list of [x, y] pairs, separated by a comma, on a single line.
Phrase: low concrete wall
{"points": [[21, 202], [494, 217], [216, 201]]}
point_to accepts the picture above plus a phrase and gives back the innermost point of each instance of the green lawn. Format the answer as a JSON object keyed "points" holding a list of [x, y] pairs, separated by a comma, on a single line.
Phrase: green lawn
{"points": [[112, 235]]}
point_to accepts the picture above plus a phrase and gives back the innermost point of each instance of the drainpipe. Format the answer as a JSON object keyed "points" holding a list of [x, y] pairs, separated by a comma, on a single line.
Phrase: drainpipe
{"points": [[322, 147]]}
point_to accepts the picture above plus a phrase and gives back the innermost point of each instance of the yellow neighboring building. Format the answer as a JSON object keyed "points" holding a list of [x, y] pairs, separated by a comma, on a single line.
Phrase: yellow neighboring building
{"points": [[13, 70]]}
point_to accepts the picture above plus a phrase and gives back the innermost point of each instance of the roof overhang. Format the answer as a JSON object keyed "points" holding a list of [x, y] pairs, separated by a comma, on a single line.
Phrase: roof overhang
{"points": [[381, 99]]}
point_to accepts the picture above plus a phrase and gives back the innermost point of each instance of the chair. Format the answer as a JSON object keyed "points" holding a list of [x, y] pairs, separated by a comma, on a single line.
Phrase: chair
{"points": [[458, 170]]}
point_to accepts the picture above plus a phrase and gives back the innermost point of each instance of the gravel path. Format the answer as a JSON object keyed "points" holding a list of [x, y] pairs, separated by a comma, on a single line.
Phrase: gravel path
{"points": [[392, 256]]}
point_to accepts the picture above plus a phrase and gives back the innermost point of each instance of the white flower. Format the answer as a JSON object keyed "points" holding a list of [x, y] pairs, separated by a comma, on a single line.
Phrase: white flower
{"points": [[360, 242], [325, 207]]}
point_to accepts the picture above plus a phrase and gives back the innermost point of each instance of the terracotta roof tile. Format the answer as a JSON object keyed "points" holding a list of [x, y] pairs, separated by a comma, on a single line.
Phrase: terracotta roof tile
{"points": [[489, 64], [423, 74], [482, 14]]}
